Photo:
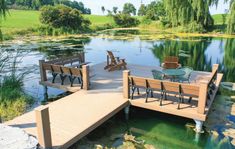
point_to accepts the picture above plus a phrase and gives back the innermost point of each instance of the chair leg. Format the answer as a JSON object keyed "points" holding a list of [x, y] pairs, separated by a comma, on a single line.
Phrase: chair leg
{"points": [[72, 80], [79, 80], [138, 90], [54, 76], [147, 94], [179, 100], [133, 90], [62, 77], [190, 99], [151, 93], [162, 96]]}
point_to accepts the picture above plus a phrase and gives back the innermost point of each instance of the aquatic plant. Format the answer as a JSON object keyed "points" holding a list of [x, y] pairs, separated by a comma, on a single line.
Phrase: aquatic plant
{"points": [[13, 100]]}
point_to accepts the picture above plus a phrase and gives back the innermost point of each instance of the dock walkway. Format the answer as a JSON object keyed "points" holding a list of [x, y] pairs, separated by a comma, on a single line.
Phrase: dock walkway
{"points": [[74, 116]]}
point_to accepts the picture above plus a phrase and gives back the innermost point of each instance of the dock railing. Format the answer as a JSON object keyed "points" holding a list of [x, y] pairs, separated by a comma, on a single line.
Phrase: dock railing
{"points": [[203, 90]]}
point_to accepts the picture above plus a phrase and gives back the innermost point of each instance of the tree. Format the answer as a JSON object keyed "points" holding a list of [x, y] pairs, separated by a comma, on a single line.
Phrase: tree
{"points": [[61, 16], [125, 20], [184, 12], [109, 13], [3, 8], [224, 15], [142, 10], [231, 18], [115, 9], [103, 9], [155, 10], [129, 8]]}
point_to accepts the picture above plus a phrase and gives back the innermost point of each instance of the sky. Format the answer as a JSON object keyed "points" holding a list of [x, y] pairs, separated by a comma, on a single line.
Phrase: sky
{"points": [[96, 5]]}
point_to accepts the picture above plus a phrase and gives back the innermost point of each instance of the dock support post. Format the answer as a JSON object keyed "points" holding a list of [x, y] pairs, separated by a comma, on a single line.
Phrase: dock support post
{"points": [[126, 87], [42, 71], [127, 110], [198, 127], [82, 57], [85, 77], [43, 126], [45, 93], [202, 97]]}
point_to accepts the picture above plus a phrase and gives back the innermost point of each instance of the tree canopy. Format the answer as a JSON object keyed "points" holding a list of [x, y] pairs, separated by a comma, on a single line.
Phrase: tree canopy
{"points": [[37, 4], [61, 16], [129, 8]]}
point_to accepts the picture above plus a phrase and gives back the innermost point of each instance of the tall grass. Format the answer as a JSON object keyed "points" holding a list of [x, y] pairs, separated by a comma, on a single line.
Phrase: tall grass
{"points": [[13, 100]]}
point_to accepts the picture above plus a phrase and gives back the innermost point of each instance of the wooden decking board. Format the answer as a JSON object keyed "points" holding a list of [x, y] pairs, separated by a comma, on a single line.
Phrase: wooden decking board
{"points": [[75, 115]]}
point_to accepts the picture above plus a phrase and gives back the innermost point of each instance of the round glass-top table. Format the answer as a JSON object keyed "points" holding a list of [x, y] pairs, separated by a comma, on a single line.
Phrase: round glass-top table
{"points": [[173, 73]]}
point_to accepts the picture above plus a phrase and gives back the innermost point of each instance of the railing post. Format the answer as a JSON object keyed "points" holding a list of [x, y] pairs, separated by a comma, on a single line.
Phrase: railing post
{"points": [[215, 67], [126, 87], [85, 77], [107, 60], [43, 126], [202, 96], [42, 71]]}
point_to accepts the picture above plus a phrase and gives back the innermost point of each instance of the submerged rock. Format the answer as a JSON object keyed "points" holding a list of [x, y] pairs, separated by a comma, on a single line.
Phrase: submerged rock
{"points": [[16, 138]]}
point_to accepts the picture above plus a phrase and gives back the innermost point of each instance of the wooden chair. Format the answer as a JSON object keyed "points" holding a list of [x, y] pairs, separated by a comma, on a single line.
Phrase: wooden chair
{"points": [[55, 69], [76, 73], [114, 63], [171, 62]]}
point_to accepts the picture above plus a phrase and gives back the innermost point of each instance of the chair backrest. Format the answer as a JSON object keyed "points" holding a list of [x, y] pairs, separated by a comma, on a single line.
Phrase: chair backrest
{"points": [[154, 84], [174, 59], [56, 68], [171, 86], [76, 72], [189, 89], [111, 56], [65, 70], [170, 65], [157, 74], [188, 71], [138, 82], [46, 66]]}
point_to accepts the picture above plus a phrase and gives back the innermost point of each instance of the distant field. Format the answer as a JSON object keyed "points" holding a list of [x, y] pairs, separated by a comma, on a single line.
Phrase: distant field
{"points": [[218, 18], [18, 20], [99, 20]]}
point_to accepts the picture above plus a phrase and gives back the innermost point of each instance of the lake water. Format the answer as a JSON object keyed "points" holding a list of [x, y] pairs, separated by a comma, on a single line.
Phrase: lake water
{"points": [[163, 131]]}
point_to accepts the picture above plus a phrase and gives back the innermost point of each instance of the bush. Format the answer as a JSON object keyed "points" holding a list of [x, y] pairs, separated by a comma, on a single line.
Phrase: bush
{"points": [[125, 20], [61, 16]]}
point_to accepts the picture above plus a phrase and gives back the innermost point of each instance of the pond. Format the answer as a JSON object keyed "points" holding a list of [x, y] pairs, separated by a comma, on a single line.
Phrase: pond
{"points": [[163, 131]]}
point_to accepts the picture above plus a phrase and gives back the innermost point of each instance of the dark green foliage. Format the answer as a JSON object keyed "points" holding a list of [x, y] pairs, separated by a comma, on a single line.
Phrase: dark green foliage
{"points": [[142, 10], [129, 8], [61, 16], [115, 9], [125, 20], [231, 18], [182, 12], [155, 10], [37, 4]]}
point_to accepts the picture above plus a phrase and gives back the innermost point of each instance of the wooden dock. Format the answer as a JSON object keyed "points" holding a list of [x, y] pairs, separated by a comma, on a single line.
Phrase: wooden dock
{"points": [[74, 116]]}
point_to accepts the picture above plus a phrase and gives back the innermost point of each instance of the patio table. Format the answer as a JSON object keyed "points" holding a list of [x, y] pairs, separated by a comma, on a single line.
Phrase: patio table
{"points": [[173, 73]]}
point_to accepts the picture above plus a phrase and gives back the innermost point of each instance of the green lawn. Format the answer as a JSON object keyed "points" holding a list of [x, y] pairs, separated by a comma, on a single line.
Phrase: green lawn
{"points": [[218, 18], [18, 20], [99, 20]]}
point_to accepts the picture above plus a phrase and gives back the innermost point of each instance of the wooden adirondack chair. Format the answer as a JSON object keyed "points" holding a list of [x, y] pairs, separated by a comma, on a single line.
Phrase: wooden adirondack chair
{"points": [[114, 63]]}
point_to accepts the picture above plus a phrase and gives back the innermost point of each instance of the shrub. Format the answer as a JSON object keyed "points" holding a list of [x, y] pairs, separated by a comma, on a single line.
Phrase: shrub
{"points": [[61, 16], [125, 20]]}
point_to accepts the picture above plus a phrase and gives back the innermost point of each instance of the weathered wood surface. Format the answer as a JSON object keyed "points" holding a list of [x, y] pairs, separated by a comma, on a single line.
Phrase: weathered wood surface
{"points": [[74, 116]]}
